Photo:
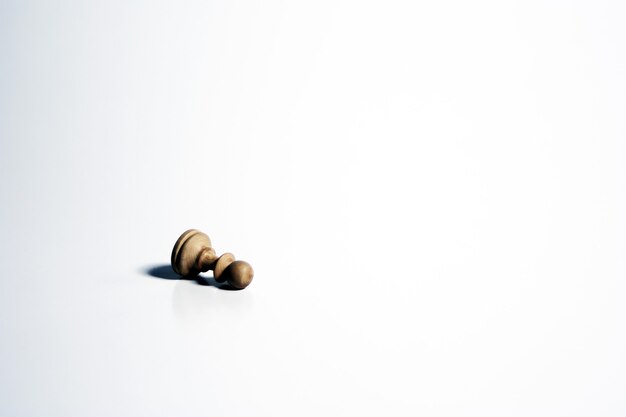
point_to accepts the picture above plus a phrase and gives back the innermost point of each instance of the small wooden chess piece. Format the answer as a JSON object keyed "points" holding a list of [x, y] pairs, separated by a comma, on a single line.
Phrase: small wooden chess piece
{"points": [[193, 253]]}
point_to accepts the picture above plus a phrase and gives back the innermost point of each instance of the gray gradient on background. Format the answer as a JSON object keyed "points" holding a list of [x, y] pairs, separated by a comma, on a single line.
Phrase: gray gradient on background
{"points": [[432, 194]]}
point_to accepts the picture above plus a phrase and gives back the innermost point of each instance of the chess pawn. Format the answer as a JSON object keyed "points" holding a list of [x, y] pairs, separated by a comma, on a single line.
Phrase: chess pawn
{"points": [[193, 253]]}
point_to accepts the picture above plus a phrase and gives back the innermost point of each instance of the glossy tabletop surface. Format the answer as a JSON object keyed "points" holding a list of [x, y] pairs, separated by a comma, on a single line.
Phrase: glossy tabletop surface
{"points": [[432, 196]]}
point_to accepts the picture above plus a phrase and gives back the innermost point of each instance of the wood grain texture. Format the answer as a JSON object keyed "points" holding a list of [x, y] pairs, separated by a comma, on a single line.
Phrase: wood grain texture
{"points": [[193, 253]]}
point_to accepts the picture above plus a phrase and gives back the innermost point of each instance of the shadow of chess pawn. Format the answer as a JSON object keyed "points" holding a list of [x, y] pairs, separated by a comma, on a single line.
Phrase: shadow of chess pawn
{"points": [[193, 254]]}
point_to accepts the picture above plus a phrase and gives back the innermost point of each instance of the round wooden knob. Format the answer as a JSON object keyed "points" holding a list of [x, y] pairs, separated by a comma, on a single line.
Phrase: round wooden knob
{"points": [[238, 274]]}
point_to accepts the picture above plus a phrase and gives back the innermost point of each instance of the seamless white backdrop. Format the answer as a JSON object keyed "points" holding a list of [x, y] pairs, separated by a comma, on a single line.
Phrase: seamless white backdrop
{"points": [[432, 194]]}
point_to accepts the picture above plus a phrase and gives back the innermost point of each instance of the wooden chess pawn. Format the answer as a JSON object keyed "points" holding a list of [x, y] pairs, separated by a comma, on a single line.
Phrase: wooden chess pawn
{"points": [[193, 254]]}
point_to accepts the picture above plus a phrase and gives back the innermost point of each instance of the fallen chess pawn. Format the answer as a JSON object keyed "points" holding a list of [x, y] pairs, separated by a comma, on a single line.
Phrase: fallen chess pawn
{"points": [[193, 254]]}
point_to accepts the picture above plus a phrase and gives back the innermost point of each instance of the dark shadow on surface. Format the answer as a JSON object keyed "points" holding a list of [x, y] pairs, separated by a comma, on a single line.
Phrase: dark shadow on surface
{"points": [[166, 272], [162, 271], [211, 282]]}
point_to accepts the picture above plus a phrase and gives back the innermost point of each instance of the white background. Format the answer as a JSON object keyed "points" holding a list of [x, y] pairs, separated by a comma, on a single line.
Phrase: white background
{"points": [[432, 194]]}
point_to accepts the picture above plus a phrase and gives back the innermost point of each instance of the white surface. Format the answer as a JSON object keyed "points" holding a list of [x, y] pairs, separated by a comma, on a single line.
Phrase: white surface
{"points": [[433, 197]]}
